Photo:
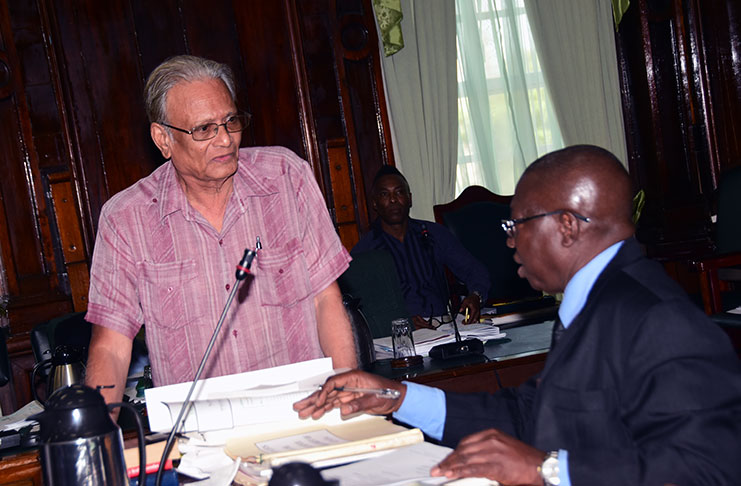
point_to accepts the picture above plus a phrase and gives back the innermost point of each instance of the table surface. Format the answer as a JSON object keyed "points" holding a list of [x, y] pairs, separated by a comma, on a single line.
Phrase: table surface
{"points": [[528, 340]]}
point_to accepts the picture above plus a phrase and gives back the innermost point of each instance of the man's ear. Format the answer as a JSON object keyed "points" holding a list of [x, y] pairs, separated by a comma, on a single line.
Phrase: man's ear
{"points": [[569, 227], [410, 199], [161, 139]]}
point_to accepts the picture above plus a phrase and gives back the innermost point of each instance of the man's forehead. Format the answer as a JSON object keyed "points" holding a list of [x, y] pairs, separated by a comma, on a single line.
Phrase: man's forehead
{"points": [[525, 197], [390, 181]]}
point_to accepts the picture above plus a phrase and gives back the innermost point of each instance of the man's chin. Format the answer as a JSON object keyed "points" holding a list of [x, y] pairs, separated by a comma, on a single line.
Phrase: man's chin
{"points": [[522, 273]]}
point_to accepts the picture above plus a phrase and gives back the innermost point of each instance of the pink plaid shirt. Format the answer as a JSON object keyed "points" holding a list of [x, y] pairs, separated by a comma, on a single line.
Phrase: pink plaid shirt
{"points": [[158, 262]]}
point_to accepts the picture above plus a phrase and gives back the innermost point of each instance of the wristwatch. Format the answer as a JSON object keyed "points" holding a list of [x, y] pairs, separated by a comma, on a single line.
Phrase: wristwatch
{"points": [[549, 469], [478, 294]]}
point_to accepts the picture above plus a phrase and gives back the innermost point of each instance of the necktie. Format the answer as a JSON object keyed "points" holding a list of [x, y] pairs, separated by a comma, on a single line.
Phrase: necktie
{"points": [[558, 330]]}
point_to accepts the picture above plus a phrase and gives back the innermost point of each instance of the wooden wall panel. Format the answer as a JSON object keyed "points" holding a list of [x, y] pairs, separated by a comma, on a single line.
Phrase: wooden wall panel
{"points": [[679, 62], [74, 132], [103, 82], [269, 73]]}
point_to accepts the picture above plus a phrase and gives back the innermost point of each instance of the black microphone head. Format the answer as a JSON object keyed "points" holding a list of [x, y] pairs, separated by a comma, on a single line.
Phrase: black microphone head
{"points": [[243, 267], [298, 474]]}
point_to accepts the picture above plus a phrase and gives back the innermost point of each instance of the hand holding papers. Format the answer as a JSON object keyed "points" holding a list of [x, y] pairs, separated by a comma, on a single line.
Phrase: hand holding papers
{"points": [[243, 399], [330, 396]]}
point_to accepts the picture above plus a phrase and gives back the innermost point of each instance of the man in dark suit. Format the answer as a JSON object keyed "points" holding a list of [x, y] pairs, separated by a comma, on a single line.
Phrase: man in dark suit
{"points": [[639, 388]]}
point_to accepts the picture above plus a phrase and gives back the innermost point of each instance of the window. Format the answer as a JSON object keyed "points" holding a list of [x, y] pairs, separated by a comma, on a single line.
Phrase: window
{"points": [[505, 117]]}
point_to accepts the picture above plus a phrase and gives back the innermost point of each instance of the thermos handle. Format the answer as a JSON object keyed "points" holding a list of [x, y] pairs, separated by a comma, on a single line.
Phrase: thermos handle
{"points": [[38, 366], [140, 439]]}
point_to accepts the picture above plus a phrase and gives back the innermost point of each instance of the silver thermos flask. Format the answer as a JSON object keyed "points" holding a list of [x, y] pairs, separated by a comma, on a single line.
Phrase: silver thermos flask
{"points": [[80, 444], [65, 368]]}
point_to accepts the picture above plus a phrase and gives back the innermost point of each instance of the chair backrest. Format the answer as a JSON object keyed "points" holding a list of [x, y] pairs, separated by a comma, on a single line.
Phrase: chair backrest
{"points": [[364, 349], [69, 329], [728, 227], [474, 218], [4, 358], [372, 278]]}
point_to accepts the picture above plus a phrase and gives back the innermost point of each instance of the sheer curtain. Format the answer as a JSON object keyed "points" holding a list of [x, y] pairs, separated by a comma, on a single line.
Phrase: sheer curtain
{"points": [[580, 34], [505, 116]]}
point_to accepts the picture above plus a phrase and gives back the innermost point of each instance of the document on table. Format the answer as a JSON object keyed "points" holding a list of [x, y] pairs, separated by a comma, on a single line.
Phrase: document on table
{"points": [[243, 399], [426, 339], [408, 465]]}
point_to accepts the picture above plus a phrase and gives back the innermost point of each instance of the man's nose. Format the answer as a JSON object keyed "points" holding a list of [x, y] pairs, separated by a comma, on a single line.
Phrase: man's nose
{"points": [[223, 136]]}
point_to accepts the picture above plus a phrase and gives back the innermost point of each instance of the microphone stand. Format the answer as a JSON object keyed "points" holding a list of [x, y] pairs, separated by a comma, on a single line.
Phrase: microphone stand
{"points": [[243, 268]]}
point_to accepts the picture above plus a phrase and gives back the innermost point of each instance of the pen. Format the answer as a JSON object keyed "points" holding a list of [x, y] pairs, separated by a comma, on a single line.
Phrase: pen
{"points": [[379, 392], [466, 314]]}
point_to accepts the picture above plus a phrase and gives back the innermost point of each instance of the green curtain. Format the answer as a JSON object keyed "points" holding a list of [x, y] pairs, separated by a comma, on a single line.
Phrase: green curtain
{"points": [[389, 15], [618, 9]]}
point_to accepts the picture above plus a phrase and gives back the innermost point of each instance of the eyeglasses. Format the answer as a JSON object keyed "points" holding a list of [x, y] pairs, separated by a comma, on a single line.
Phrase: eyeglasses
{"points": [[434, 322], [508, 225], [233, 124]]}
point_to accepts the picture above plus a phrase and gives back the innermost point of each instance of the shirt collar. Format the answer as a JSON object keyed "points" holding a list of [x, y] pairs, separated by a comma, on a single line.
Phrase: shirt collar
{"points": [[171, 197], [578, 288]]}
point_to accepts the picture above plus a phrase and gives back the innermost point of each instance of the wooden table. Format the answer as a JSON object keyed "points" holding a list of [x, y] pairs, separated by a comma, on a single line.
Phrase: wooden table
{"points": [[505, 363]]}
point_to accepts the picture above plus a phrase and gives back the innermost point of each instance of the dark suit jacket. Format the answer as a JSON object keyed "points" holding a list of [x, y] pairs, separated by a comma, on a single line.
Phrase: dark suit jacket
{"points": [[642, 388]]}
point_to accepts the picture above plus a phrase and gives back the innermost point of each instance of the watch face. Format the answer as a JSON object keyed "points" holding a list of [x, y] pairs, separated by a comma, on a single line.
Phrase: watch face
{"points": [[549, 470]]}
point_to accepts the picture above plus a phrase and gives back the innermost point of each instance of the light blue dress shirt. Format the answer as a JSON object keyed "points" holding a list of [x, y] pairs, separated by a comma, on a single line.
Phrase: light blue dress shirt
{"points": [[424, 406]]}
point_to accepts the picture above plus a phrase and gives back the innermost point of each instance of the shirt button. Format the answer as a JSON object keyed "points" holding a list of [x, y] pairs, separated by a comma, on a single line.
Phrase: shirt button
{"points": [[280, 271], [228, 286], [221, 242], [154, 200], [169, 289]]}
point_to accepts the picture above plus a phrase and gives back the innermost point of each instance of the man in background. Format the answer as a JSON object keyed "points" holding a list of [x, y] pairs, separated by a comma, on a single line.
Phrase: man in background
{"points": [[167, 247], [421, 250], [639, 386]]}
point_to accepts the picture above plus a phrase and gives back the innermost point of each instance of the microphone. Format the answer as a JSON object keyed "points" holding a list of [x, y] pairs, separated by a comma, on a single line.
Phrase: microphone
{"points": [[243, 269], [458, 348]]}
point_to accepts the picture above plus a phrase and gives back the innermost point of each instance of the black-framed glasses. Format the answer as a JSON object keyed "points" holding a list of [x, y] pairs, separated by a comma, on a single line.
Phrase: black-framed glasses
{"points": [[508, 225], [434, 322], [207, 131]]}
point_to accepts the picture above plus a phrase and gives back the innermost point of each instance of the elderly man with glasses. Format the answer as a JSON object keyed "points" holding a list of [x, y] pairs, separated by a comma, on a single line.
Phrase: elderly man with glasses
{"points": [[167, 247], [639, 386]]}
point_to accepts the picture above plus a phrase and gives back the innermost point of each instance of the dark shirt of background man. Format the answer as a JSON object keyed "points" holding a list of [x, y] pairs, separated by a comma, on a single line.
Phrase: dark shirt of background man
{"points": [[421, 250], [420, 259]]}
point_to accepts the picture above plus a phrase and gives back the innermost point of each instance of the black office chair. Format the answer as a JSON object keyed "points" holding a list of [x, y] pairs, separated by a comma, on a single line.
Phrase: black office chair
{"points": [[720, 272], [73, 331], [5, 371], [372, 279], [67, 330], [474, 218], [364, 349]]}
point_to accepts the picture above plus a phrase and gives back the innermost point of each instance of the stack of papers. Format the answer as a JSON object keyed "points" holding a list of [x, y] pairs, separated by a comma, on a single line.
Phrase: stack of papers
{"points": [[426, 339]]}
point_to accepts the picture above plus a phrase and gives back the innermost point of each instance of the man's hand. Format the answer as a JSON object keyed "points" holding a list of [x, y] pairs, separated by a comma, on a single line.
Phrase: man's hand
{"points": [[473, 304], [324, 400], [495, 455]]}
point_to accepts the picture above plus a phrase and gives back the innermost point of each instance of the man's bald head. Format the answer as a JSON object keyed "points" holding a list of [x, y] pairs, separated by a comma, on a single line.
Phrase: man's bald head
{"points": [[583, 197], [585, 179]]}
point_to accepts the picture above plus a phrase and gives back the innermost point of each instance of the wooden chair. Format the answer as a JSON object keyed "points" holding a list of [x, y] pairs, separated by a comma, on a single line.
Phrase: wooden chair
{"points": [[719, 272], [474, 218]]}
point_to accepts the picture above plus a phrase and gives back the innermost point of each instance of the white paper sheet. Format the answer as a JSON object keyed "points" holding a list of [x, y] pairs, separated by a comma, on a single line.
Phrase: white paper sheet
{"points": [[426, 339], [235, 400], [404, 466]]}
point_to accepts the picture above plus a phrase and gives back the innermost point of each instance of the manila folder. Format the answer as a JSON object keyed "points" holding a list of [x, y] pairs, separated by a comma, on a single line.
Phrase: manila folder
{"points": [[314, 441]]}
